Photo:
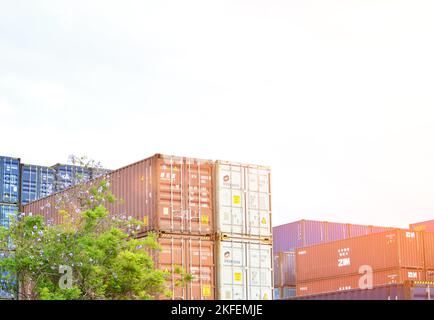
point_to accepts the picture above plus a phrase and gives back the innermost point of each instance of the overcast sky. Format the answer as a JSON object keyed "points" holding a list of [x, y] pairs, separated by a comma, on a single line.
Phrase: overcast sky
{"points": [[336, 96]]}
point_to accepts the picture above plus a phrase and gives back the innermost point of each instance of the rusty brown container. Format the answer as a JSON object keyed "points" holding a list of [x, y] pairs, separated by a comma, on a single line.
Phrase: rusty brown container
{"points": [[343, 283], [394, 249], [428, 238], [168, 193], [195, 254]]}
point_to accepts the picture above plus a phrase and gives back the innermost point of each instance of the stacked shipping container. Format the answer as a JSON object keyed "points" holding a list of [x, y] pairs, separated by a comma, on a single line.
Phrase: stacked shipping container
{"points": [[411, 290], [213, 219], [390, 257], [243, 225], [288, 237]]}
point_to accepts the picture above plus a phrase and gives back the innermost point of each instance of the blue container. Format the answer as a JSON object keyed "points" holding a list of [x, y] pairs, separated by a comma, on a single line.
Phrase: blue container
{"points": [[6, 212], [36, 182], [9, 180], [69, 175]]}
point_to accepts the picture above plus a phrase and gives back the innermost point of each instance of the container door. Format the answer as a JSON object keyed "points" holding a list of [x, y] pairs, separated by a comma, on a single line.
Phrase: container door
{"points": [[231, 271]]}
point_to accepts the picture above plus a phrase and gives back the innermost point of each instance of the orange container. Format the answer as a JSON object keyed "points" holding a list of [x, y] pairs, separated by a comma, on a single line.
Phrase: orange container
{"points": [[168, 193], [394, 249], [394, 276]]}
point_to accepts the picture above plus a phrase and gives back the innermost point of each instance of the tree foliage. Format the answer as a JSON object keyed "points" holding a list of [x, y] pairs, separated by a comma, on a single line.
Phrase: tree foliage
{"points": [[91, 254]]}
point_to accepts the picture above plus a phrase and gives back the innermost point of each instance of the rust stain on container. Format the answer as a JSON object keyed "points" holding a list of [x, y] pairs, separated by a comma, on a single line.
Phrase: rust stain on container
{"points": [[387, 250]]}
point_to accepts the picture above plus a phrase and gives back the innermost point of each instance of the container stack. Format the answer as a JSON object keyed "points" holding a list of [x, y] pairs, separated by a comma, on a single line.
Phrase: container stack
{"points": [[289, 237], [212, 219], [391, 257], [244, 234]]}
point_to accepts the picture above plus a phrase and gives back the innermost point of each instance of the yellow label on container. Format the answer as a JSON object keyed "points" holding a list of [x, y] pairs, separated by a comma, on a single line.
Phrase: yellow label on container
{"points": [[206, 290], [142, 178], [265, 296], [205, 219], [237, 276], [146, 221], [264, 221], [236, 199]]}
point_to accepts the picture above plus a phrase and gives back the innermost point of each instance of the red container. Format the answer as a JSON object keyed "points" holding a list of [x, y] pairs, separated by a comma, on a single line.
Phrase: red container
{"points": [[423, 226], [343, 283], [168, 193], [196, 255], [388, 250]]}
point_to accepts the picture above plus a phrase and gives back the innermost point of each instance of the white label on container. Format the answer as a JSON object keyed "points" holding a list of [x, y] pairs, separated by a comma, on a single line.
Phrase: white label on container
{"points": [[166, 211]]}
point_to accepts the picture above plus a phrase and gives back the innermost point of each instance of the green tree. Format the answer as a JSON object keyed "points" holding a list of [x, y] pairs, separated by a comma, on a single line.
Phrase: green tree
{"points": [[91, 254]]}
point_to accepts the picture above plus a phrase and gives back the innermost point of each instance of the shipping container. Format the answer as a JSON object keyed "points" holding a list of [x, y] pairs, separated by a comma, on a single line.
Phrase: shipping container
{"points": [[67, 175], [244, 270], [9, 179], [423, 226], [284, 292], [7, 211], [36, 182], [298, 234], [195, 254], [359, 281], [388, 250], [428, 239], [336, 231], [284, 269], [406, 291], [168, 193], [243, 200]]}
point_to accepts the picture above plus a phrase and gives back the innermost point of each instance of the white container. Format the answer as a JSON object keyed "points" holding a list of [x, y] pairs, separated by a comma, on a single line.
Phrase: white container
{"points": [[243, 200], [244, 270]]}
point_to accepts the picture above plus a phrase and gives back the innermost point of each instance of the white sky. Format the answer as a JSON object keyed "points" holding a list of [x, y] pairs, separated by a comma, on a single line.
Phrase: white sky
{"points": [[336, 96]]}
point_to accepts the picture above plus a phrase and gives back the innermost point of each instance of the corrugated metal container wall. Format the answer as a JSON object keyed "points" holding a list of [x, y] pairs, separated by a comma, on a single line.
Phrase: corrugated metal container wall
{"points": [[36, 182], [395, 276], [336, 231], [67, 175], [393, 249], [423, 226], [428, 239], [291, 236], [314, 232], [284, 269], [171, 194], [9, 179], [387, 292], [288, 236], [357, 230], [243, 199], [244, 270], [195, 254], [7, 211]]}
